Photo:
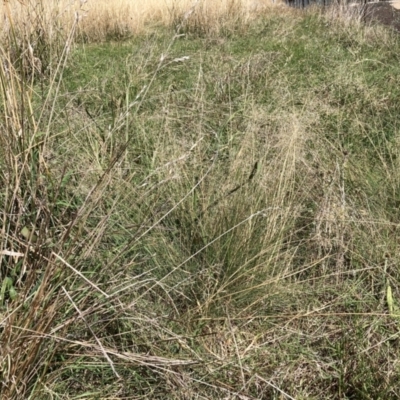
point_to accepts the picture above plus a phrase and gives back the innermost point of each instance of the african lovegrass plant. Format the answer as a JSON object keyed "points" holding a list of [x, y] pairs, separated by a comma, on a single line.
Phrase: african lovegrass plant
{"points": [[202, 211]]}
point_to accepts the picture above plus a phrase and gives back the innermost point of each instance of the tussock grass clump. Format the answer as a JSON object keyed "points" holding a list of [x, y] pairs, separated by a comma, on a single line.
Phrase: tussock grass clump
{"points": [[208, 213], [33, 36]]}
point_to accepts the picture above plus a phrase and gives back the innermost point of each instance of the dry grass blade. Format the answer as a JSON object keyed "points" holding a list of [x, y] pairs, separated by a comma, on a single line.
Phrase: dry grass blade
{"points": [[93, 285], [207, 208], [93, 334]]}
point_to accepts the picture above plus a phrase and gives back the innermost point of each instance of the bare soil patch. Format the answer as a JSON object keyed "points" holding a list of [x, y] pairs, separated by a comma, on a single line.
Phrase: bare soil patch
{"points": [[386, 13]]}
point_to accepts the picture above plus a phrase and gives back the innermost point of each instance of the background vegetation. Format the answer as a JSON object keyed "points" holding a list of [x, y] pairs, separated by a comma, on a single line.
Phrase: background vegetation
{"points": [[198, 202]]}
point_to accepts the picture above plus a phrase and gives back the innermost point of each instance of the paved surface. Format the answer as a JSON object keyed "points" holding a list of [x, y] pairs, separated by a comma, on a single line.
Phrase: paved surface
{"points": [[383, 12], [395, 4]]}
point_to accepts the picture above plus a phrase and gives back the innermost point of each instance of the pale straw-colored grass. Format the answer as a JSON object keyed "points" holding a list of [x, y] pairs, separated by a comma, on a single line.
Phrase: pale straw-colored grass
{"points": [[102, 19]]}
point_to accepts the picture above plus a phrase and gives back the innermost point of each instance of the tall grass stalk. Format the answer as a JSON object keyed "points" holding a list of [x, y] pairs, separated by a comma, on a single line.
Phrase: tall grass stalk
{"points": [[208, 210]]}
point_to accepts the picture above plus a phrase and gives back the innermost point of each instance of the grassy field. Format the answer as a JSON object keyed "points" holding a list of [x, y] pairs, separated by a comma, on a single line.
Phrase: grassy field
{"points": [[199, 204]]}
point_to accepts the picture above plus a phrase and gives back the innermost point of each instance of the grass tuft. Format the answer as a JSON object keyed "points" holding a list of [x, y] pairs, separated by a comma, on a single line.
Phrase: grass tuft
{"points": [[198, 200]]}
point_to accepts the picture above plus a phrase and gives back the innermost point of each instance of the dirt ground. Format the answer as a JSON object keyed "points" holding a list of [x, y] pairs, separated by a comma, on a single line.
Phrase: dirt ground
{"points": [[387, 13]]}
